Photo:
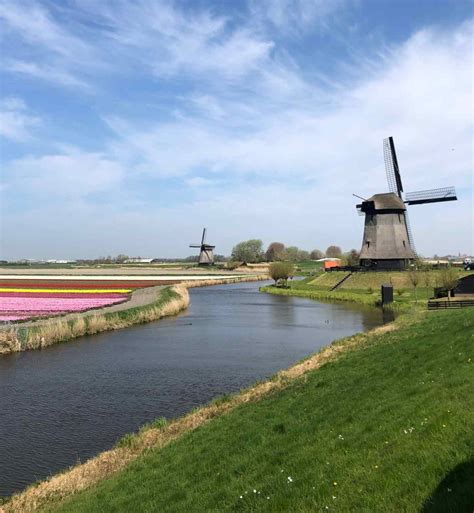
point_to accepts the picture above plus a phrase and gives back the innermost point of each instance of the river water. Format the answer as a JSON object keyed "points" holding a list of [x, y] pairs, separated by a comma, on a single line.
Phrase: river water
{"points": [[68, 402]]}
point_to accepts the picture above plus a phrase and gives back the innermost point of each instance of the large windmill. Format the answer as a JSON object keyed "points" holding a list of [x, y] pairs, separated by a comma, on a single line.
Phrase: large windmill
{"points": [[388, 241], [206, 254]]}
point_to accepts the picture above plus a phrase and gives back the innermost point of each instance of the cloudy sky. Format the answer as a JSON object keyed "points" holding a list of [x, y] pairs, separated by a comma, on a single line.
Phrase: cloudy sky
{"points": [[127, 126]]}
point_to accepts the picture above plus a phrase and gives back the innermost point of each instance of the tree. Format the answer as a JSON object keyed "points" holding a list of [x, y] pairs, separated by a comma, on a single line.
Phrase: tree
{"points": [[291, 254], [120, 259], [334, 252], [303, 255], [415, 279], [249, 251], [427, 279], [353, 257], [316, 254], [281, 271], [275, 252], [449, 279]]}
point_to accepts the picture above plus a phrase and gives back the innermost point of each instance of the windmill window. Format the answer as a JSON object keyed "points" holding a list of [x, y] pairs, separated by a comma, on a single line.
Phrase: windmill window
{"points": [[404, 245], [368, 243]]}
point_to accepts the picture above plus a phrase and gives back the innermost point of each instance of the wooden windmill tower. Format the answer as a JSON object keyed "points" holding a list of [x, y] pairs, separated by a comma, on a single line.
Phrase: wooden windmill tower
{"points": [[206, 254], [388, 241]]}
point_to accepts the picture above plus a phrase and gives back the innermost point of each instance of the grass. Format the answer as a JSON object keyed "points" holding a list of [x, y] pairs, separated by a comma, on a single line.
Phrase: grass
{"points": [[386, 426], [363, 287]]}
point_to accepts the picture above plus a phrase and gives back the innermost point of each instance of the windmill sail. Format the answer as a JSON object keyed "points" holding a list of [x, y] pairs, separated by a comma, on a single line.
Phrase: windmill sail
{"points": [[431, 196], [410, 233], [391, 167]]}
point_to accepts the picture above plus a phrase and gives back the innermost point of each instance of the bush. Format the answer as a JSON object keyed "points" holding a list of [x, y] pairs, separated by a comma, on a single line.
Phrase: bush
{"points": [[281, 271], [232, 265]]}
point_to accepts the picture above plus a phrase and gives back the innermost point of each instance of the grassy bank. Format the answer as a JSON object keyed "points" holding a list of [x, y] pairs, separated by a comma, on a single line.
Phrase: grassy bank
{"points": [[376, 422], [313, 293], [169, 301], [364, 287]]}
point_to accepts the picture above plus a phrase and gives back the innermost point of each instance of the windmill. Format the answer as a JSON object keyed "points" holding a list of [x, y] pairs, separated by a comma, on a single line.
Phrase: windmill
{"points": [[388, 241], [206, 254]]}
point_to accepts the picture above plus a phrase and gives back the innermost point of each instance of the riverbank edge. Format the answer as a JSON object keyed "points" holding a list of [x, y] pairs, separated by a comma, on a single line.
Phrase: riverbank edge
{"points": [[170, 301], [50, 492], [326, 295]]}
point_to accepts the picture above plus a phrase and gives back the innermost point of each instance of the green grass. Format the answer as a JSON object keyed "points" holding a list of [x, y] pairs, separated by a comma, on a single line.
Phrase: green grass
{"points": [[363, 287], [308, 267], [385, 428]]}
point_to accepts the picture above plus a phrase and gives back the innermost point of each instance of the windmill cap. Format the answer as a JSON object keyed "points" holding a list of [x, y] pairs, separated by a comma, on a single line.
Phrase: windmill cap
{"points": [[387, 201]]}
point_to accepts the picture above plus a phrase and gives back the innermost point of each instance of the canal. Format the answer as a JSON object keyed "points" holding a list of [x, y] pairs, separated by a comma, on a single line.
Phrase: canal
{"points": [[66, 403]]}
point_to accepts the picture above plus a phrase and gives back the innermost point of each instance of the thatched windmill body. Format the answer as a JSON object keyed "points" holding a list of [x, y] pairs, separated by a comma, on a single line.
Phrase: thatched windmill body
{"points": [[388, 242], [206, 254]]}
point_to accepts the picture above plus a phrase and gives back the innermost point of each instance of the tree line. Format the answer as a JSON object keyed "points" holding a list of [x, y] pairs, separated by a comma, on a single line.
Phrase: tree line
{"points": [[252, 251]]}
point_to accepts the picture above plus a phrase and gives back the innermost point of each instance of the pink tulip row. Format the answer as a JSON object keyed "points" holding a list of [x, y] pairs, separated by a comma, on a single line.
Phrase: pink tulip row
{"points": [[53, 304], [5, 318]]}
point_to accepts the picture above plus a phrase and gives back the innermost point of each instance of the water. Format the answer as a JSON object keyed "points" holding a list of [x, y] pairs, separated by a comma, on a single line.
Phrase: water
{"points": [[68, 402]]}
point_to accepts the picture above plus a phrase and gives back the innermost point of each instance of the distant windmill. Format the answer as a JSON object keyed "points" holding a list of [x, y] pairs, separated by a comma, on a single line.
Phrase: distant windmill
{"points": [[206, 255], [388, 241]]}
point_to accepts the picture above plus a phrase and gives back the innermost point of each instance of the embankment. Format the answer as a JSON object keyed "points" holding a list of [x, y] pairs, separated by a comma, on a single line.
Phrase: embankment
{"points": [[325, 295], [374, 422]]}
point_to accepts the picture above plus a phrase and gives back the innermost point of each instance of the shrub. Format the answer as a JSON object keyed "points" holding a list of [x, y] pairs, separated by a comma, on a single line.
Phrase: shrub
{"points": [[232, 265], [281, 271]]}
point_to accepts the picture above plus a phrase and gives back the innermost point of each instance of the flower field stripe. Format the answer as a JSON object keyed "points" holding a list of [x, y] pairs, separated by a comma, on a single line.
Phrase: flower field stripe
{"points": [[48, 284], [6, 318], [63, 291], [52, 304], [64, 295]]}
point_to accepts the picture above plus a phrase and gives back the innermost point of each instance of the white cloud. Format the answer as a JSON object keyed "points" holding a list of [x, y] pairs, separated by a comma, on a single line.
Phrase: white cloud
{"points": [[199, 181], [56, 75], [16, 123], [35, 25], [70, 174], [293, 16]]}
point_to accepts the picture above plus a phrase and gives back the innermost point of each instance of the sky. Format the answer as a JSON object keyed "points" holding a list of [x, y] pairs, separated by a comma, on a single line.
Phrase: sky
{"points": [[128, 126]]}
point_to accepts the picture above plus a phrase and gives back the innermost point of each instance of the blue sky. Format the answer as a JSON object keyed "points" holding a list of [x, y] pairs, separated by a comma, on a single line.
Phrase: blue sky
{"points": [[128, 126]]}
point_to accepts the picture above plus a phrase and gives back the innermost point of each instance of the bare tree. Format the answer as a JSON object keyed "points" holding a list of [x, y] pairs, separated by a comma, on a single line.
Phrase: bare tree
{"points": [[334, 252], [415, 280], [275, 251], [449, 279], [353, 257], [316, 254]]}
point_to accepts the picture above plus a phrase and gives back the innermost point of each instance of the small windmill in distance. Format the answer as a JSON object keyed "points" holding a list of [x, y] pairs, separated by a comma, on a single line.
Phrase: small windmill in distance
{"points": [[206, 254], [388, 242]]}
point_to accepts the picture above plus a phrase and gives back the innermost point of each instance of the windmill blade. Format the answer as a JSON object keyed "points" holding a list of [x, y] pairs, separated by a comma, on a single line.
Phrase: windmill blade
{"points": [[203, 236], [409, 232], [391, 167], [195, 245], [431, 196]]}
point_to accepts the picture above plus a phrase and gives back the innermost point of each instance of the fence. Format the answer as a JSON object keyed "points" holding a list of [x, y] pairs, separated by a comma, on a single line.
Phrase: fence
{"points": [[441, 305]]}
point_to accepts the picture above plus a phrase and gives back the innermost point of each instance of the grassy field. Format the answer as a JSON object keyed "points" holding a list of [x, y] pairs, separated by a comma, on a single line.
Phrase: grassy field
{"points": [[364, 287], [384, 427]]}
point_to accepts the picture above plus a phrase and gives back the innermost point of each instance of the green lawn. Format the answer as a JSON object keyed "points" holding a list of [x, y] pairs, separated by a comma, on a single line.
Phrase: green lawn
{"points": [[385, 428]]}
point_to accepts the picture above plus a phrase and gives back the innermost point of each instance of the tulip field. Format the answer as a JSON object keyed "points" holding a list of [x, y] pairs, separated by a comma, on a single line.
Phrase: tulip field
{"points": [[27, 301]]}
